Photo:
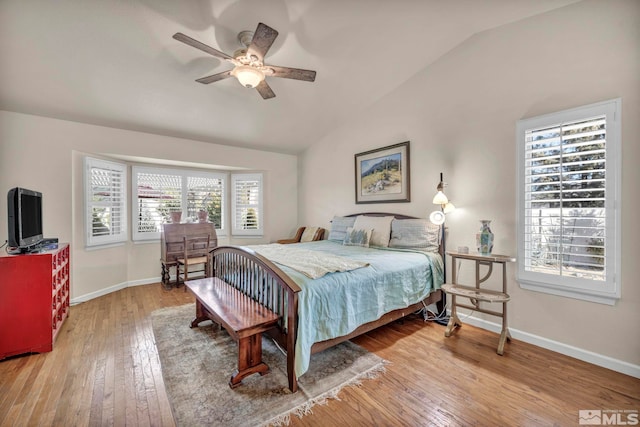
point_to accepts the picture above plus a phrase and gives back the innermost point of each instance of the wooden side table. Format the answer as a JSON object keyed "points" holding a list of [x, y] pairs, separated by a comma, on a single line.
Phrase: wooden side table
{"points": [[476, 295]]}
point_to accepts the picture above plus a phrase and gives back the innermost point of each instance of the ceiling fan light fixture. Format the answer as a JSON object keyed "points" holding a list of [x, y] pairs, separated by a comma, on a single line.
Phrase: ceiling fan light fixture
{"points": [[248, 76]]}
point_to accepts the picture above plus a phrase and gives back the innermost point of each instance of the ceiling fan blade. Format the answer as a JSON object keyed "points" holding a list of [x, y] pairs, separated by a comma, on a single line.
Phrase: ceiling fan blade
{"points": [[214, 77], [265, 90], [263, 38], [203, 47], [293, 73]]}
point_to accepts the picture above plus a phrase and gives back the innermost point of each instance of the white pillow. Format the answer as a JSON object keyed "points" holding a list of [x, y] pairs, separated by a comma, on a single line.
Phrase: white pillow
{"points": [[307, 235], [381, 226]]}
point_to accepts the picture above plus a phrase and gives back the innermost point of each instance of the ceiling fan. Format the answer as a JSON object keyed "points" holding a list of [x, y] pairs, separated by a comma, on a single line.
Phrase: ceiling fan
{"points": [[250, 69]]}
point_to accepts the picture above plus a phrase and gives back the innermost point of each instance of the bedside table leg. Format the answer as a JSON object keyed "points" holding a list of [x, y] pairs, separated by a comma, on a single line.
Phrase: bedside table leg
{"points": [[505, 335], [453, 319]]}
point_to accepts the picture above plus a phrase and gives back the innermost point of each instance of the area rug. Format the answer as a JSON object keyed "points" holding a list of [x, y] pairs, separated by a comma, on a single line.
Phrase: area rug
{"points": [[197, 364]]}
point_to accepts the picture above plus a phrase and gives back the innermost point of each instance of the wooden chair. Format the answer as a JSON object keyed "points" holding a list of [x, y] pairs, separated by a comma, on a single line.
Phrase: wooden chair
{"points": [[312, 234], [172, 246], [196, 252]]}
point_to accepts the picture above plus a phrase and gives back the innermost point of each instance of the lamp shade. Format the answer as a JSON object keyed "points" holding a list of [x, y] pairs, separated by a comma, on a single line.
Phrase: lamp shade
{"points": [[448, 208], [440, 198], [248, 76]]}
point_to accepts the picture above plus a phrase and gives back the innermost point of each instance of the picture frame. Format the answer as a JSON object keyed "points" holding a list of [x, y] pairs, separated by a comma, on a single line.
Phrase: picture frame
{"points": [[382, 175]]}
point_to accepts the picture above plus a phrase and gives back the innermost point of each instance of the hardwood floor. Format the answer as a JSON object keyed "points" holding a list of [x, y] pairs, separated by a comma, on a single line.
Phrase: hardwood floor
{"points": [[104, 370]]}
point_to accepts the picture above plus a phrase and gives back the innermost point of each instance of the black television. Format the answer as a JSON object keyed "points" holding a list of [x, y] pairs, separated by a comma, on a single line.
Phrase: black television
{"points": [[25, 218]]}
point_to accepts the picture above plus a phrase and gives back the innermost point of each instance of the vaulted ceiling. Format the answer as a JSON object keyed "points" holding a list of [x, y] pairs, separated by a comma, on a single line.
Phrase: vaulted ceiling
{"points": [[114, 62]]}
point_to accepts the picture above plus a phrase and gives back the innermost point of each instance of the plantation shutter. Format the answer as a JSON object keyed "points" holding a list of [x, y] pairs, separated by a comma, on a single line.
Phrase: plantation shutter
{"points": [[105, 201], [157, 194], [565, 193], [206, 193], [159, 191], [247, 208], [568, 192]]}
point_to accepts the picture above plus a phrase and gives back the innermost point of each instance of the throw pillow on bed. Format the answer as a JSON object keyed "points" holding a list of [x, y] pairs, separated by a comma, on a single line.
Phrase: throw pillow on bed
{"points": [[356, 237], [308, 234], [381, 226], [339, 225], [415, 234]]}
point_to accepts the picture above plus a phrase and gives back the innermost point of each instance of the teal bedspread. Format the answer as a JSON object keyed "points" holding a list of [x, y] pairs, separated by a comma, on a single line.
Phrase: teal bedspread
{"points": [[337, 303]]}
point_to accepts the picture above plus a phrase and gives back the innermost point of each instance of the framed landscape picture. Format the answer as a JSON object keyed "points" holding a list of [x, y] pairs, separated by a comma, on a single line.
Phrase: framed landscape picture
{"points": [[382, 175]]}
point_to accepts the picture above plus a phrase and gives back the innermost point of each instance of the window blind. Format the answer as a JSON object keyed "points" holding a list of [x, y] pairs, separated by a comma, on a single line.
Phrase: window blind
{"points": [[158, 194], [105, 202], [159, 191], [247, 204], [206, 193], [565, 193]]}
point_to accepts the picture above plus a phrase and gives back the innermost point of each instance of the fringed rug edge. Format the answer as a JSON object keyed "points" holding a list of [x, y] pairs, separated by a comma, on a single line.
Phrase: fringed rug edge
{"points": [[306, 408]]}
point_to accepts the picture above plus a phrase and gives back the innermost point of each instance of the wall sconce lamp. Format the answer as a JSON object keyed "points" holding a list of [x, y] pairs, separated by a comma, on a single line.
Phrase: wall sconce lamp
{"points": [[438, 218], [441, 199]]}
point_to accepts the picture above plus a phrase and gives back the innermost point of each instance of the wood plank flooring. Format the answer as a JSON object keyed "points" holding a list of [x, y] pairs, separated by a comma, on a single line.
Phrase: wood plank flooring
{"points": [[104, 370]]}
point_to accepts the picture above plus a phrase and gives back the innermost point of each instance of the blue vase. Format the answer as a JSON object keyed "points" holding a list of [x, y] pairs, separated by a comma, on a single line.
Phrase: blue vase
{"points": [[484, 238]]}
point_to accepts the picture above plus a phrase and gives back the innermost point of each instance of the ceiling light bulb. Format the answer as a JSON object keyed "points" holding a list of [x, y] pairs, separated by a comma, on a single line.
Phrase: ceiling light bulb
{"points": [[248, 76]]}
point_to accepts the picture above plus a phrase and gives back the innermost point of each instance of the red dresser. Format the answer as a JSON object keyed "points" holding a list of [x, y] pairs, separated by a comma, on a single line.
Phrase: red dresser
{"points": [[34, 300]]}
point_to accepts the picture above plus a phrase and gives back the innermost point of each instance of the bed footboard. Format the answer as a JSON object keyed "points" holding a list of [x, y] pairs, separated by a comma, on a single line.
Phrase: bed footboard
{"points": [[261, 280]]}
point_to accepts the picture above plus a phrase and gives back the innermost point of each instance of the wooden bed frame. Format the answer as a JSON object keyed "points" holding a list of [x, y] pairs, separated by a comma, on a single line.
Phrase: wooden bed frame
{"points": [[263, 281]]}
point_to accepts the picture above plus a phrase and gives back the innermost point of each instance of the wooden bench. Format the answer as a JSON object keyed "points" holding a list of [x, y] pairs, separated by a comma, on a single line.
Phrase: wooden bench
{"points": [[243, 318]]}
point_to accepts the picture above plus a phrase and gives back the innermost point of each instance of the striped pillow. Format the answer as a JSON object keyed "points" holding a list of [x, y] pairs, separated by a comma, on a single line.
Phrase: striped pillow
{"points": [[415, 234], [339, 225]]}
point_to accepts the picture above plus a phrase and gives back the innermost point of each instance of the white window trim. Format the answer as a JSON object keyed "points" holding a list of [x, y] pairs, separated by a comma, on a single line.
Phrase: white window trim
{"points": [[236, 230], [100, 242], [610, 289], [184, 173]]}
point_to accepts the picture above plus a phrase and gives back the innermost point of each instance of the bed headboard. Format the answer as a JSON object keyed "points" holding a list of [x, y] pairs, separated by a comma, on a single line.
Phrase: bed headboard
{"points": [[397, 216]]}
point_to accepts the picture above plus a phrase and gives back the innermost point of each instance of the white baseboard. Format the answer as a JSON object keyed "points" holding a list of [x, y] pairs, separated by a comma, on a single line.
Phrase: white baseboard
{"points": [[145, 281], [568, 350], [114, 288]]}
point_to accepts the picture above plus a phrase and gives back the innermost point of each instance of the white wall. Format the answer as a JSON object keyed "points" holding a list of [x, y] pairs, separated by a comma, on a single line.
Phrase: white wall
{"points": [[460, 115], [46, 154]]}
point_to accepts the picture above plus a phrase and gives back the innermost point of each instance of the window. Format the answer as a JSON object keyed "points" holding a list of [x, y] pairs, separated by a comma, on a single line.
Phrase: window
{"points": [[105, 202], [568, 192], [157, 192], [247, 212], [206, 193]]}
